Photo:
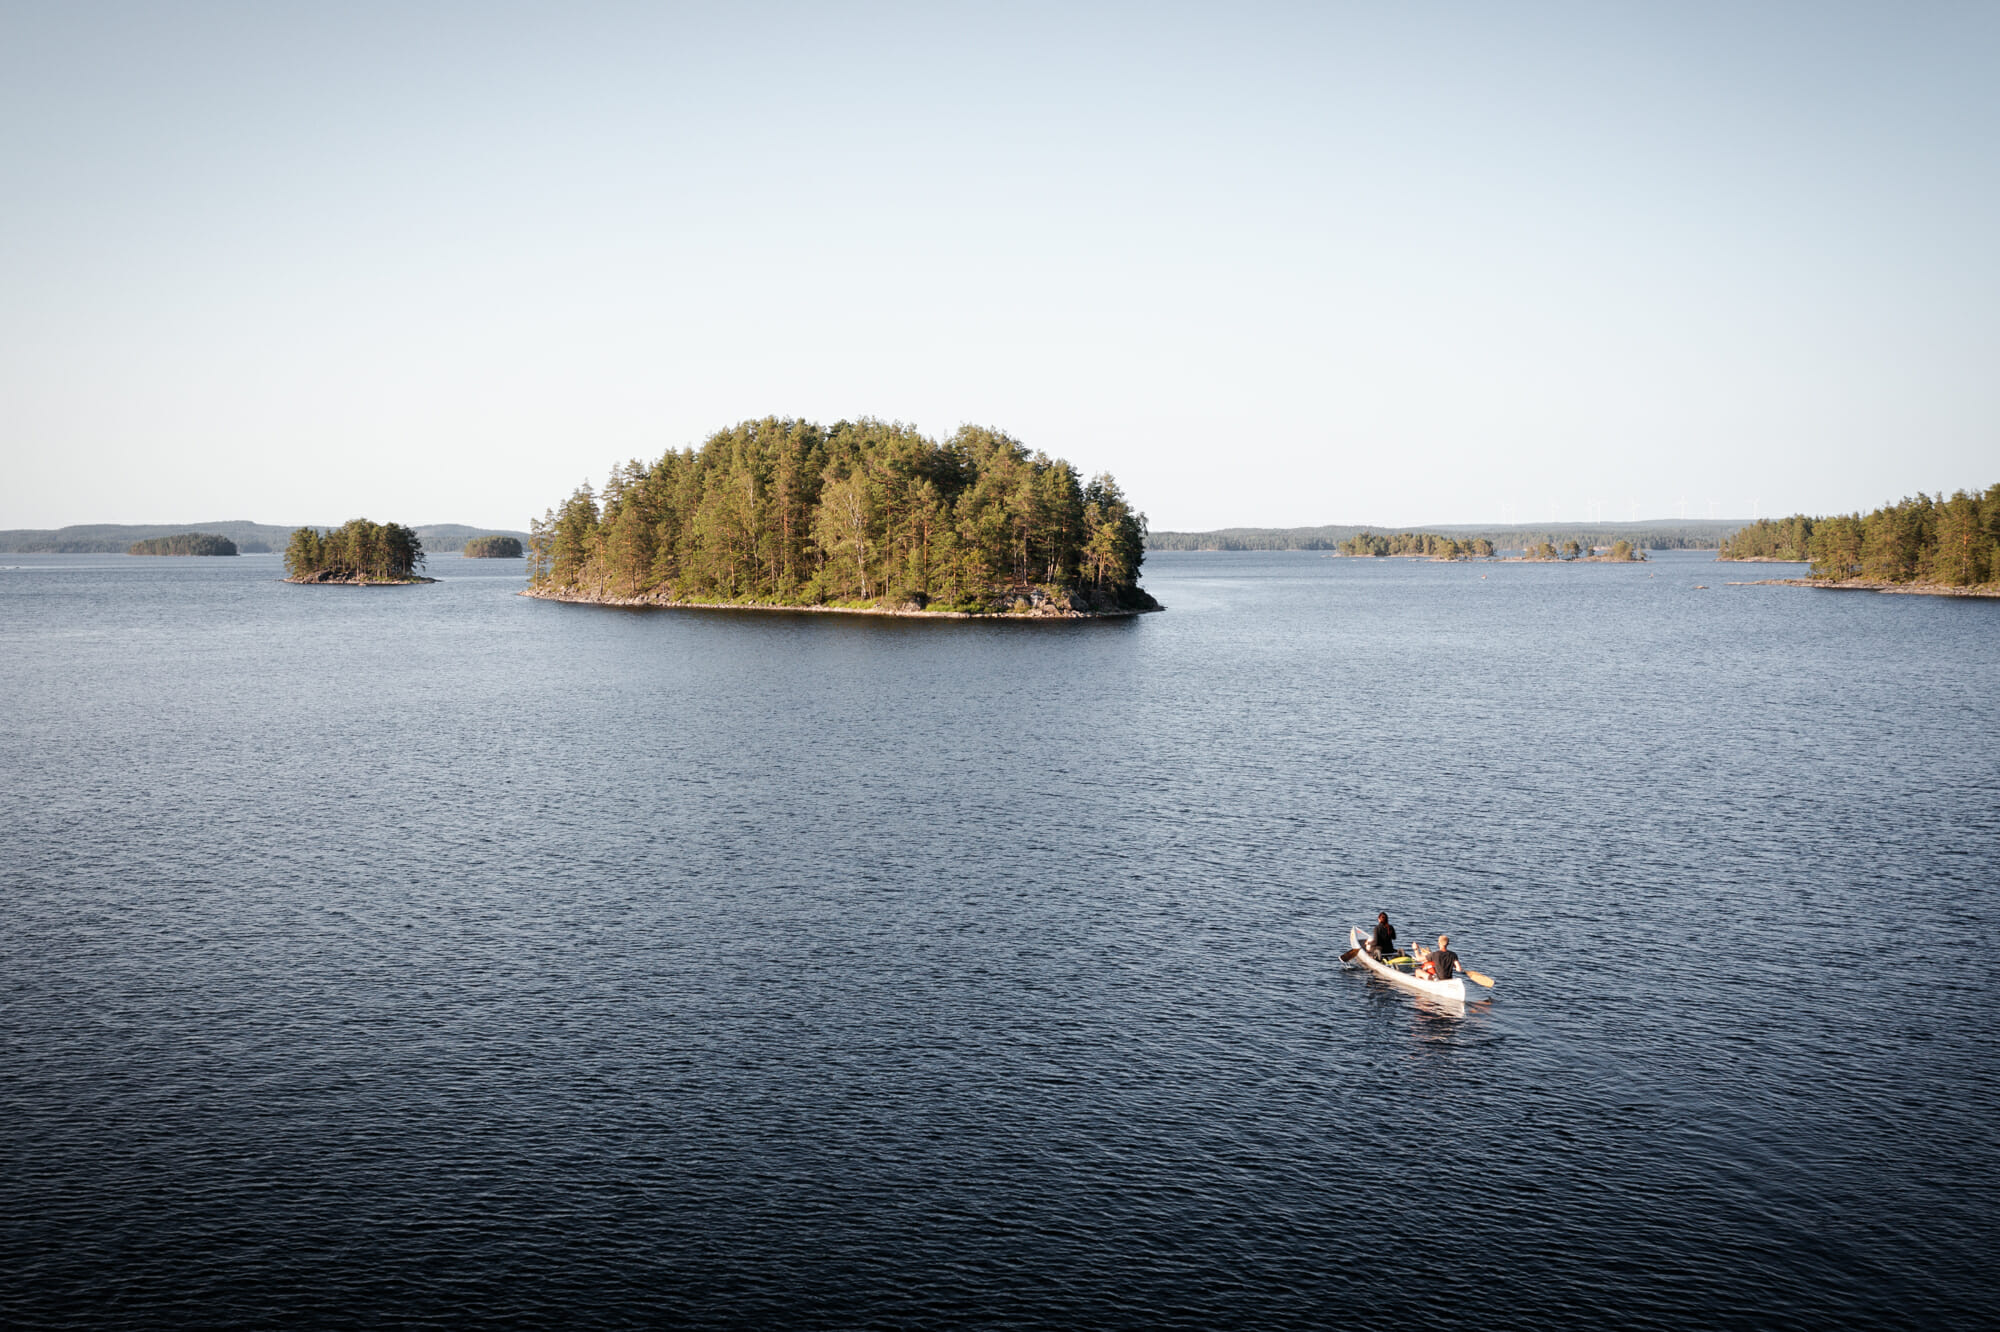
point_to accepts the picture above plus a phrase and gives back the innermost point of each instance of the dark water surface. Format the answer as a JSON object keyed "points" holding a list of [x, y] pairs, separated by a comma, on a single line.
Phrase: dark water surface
{"points": [[430, 956]]}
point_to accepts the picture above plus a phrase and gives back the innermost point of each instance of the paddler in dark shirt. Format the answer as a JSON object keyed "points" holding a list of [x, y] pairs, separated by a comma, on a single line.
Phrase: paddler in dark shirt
{"points": [[1385, 936], [1442, 964]]}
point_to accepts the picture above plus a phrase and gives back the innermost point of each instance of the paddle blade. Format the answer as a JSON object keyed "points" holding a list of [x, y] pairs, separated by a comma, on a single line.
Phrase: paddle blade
{"points": [[1478, 976], [1348, 956]]}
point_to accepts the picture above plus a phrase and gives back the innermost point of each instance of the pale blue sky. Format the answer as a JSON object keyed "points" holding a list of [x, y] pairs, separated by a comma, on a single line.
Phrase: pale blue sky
{"points": [[1272, 265]]}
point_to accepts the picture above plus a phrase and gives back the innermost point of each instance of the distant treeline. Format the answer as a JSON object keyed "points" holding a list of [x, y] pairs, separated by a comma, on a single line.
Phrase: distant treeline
{"points": [[493, 548], [118, 538], [1691, 535], [187, 543], [1928, 539], [250, 538], [356, 551], [1432, 545], [787, 512]]}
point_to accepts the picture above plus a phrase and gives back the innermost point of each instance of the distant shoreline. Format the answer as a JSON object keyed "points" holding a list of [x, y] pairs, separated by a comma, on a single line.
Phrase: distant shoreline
{"points": [[1452, 559], [1047, 612], [1986, 590], [1653, 534], [251, 538]]}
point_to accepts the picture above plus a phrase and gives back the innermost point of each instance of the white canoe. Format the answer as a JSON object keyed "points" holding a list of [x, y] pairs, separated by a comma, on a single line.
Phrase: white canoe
{"points": [[1456, 990]]}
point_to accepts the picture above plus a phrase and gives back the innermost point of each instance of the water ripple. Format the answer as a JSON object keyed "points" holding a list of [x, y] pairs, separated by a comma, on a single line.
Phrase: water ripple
{"points": [[454, 958]]}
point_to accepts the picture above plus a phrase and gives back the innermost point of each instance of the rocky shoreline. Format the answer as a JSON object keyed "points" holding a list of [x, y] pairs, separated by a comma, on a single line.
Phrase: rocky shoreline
{"points": [[1876, 585], [328, 580], [1040, 607]]}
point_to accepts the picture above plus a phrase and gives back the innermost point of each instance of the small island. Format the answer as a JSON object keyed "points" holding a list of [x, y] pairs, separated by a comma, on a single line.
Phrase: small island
{"points": [[1620, 552], [1929, 544], [357, 553], [1433, 546], [863, 517], [187, 543], [493, 548]]}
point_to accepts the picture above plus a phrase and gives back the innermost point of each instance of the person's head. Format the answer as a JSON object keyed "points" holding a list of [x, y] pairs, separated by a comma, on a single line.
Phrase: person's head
{"points": [[1444, 941], [1382, 916]]}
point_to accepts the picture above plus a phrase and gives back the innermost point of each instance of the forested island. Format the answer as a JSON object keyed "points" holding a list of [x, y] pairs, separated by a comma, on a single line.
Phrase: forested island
{"points": [[1917, 544], [863, 515], [1417, 545], [493, 548], [357, 552], [187, 543]]}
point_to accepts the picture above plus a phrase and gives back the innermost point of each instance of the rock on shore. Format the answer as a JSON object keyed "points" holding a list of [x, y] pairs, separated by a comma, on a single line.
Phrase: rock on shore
{"points": [[328, 577], [1018, 604]]}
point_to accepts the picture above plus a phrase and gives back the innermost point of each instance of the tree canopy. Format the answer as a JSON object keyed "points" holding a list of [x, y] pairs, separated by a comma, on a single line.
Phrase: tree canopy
{"points": [[356, 551], [187, 543], [788, 512], [1954, 542], [493, 548]]}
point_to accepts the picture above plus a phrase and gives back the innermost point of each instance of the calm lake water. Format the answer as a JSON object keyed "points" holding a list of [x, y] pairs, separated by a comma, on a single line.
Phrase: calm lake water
{"points": [[430, 956]]}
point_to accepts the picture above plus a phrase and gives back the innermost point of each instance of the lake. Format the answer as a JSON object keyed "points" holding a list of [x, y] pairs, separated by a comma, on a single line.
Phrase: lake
{"points": [[430, 956]]}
